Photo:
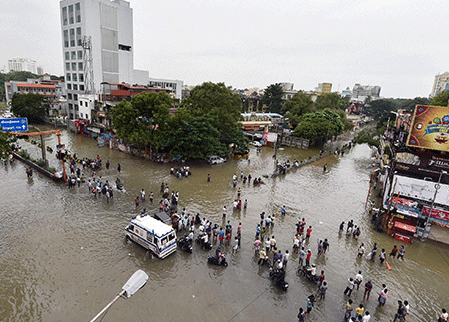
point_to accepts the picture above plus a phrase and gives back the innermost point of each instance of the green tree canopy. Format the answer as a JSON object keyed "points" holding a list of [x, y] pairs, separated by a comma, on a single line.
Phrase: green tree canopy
{"points": [[327, 100], [319, 124], [272, 97], [144, 120], [6, 139], [441, 99], [378, 108], [195, 137], [410, 104], [32, 106], [222, 108], [299, 104]]}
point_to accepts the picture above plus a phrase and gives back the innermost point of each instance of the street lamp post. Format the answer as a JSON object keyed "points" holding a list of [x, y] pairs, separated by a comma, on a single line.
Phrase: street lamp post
{"points": [[135, 283], [437, 187]]}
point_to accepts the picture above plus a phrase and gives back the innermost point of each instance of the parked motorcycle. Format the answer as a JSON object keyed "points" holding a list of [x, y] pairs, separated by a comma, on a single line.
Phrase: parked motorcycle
{"points": [[278, 276], [204, 246]]}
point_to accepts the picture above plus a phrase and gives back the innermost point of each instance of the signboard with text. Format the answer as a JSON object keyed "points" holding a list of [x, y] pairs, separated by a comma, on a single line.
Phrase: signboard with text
{"points": [[436, 213], [430, 128], [14, 125]]}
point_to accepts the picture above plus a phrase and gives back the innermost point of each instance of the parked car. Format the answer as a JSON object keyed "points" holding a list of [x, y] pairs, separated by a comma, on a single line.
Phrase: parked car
{"points": [[213, 159], [256, 143]]}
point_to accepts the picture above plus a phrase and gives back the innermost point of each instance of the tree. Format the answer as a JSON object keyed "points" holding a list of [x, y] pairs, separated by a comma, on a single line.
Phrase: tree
{"points": [[195, 138], [6, 139], [143, 121], [378, 108], [298, 105], [410, 104], [327, 100], [319, 124], [222, 108], [272, 97], [32, 106], [441, 99]]}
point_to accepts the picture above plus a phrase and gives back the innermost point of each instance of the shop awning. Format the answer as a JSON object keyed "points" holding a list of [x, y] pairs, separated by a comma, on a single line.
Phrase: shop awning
{"points": [[402, 226]]}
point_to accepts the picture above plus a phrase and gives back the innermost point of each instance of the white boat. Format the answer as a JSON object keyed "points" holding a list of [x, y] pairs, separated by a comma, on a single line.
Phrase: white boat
{"points": [[152, 234], [213, 159]]}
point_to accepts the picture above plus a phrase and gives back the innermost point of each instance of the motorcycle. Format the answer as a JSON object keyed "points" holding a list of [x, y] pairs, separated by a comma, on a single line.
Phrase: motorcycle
{"points": [[215, 260], [185, 245], [278, 276], [204, 246], [314, 278]]}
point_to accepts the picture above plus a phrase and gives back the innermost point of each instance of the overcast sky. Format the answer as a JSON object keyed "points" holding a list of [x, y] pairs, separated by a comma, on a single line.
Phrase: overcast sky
{"points": [[399, 45]]}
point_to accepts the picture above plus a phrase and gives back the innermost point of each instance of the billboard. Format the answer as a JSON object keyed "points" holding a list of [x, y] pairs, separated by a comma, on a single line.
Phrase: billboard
{"points": [[270, 137], [430, 128]]}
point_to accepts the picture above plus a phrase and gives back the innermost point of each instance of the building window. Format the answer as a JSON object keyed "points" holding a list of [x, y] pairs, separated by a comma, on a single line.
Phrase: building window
{"points": [[72, 37], [74, 77], [75, 87], [67, 77], [80, 54], [75, 97], [67, 66], [81, 77], [77, 12], [73, 55], [81, 87], [67, 55], [76, 106], [78, 36], [73, 66], [69, 96], [69, 86], [64, 16], [80, 66], [81, 114], [66, 38], [71, 18], [70, 106]]}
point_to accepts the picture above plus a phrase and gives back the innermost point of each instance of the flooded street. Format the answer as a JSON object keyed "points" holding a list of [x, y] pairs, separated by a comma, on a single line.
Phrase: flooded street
{"points": [[64, 255]]}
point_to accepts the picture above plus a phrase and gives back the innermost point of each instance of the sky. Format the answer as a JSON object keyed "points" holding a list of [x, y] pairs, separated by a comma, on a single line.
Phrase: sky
{"points": [[399, 45]]}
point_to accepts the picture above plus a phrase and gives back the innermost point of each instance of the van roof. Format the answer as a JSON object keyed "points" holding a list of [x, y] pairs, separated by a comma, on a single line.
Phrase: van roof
{"points": [[151, 224]]}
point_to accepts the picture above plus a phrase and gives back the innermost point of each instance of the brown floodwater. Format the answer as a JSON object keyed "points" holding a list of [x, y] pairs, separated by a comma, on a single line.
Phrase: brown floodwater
{"points": [[64, 255]]}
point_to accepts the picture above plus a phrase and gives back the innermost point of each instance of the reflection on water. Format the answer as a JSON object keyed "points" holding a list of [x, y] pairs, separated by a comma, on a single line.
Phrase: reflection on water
{"points": [[64, 255]]}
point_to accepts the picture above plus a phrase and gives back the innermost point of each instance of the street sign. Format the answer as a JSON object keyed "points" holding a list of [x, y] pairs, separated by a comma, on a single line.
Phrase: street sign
{"points": [[14, 125]]}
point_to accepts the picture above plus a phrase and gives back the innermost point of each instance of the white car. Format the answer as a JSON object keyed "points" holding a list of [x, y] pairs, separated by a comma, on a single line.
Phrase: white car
{"points": [[213, 159], [256, 143]]}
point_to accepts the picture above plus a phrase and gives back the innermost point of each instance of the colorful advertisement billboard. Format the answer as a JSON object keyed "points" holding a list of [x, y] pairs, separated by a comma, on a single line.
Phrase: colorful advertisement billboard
{"points": [[430, 128]]}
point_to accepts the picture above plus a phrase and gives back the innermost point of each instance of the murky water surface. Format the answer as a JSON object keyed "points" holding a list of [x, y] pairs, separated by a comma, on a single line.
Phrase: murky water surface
{"points": [[64, 254]]}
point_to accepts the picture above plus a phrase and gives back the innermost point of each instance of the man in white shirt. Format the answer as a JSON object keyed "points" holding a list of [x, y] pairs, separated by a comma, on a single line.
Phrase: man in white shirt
{"points": [[358, 279], [366, 317]]}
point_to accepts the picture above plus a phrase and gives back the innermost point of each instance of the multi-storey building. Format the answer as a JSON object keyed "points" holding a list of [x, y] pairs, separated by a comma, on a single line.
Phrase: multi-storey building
{"points": [[22, 65], [440, 84], [52, 89], [324, 88], [110, 28], [361, 92]]}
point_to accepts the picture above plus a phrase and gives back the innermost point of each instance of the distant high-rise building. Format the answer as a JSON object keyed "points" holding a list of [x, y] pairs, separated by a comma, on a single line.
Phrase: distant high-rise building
{"points": [[22, 65], [361, 92], [440, 84], [110, 26], [324, 88], [39, 71]]}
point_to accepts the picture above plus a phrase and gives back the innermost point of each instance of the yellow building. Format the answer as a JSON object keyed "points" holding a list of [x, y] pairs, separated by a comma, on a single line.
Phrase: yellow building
{"points": [[324, 88]]}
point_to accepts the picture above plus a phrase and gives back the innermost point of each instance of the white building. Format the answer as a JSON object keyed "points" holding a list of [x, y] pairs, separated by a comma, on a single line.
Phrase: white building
{"points": [[175, 86], [440, 84], [362, 92], [110, 26], [22, 65]]}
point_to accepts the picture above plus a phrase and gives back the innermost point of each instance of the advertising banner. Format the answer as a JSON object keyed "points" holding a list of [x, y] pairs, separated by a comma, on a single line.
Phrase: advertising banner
{"points": [[270, 137], [421, 190], [436, 213], [430, 128], [404, 206]]}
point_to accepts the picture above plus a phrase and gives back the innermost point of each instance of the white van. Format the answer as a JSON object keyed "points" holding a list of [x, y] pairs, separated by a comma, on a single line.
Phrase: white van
{"points": [[152, 234]]}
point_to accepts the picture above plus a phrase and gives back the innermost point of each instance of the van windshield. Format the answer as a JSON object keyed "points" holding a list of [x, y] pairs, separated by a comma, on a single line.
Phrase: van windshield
{"points": [[171, 237]]}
